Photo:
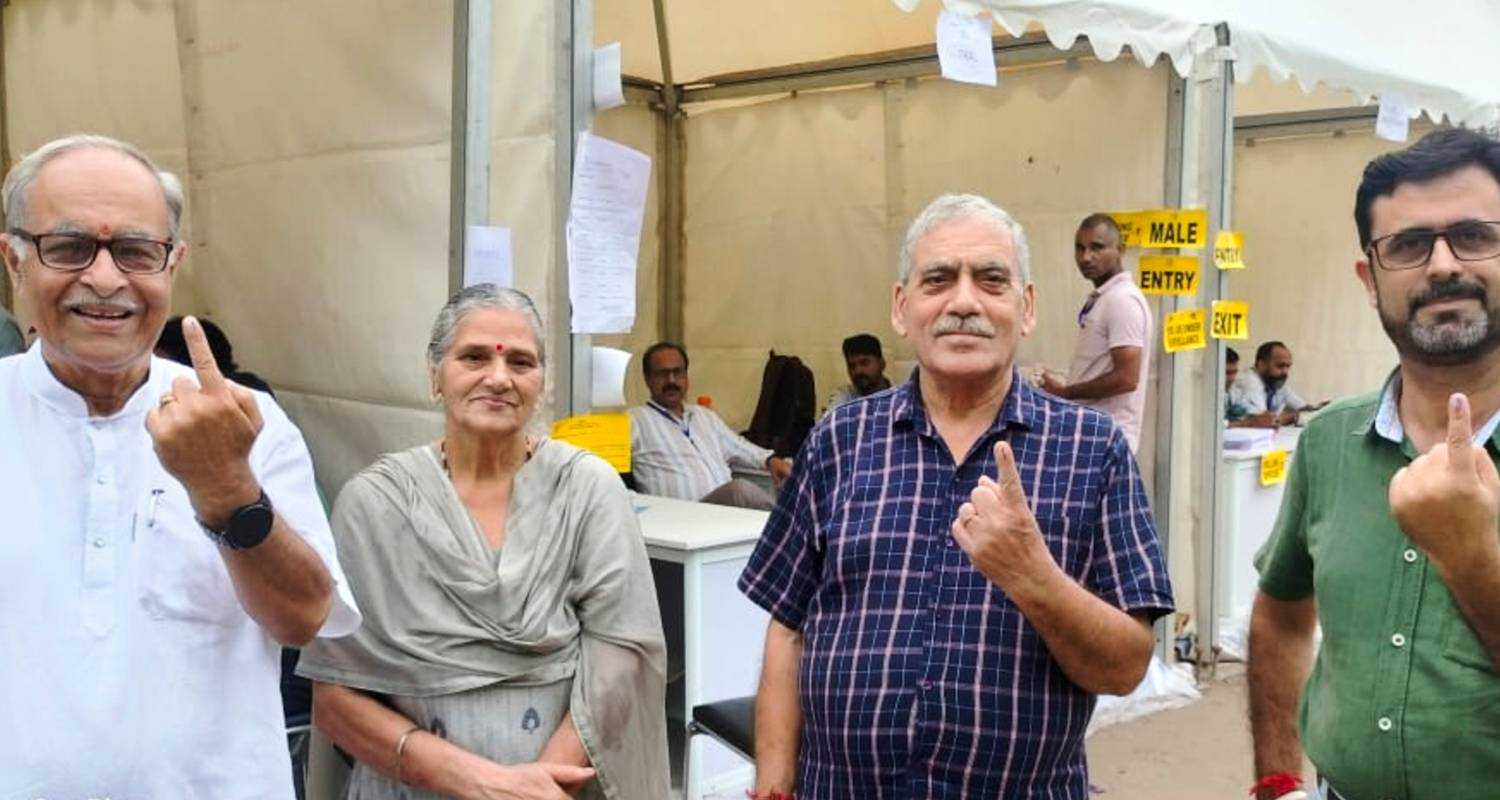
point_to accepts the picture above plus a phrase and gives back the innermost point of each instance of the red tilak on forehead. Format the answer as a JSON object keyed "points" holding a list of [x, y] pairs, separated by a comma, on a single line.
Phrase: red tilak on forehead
{"points": [[499, 347]]}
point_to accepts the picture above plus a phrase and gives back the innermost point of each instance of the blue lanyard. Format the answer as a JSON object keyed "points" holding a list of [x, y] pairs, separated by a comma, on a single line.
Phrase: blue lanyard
{"points": [[682, 424]]}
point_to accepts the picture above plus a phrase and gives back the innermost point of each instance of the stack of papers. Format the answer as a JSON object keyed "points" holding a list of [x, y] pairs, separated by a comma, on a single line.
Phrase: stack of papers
{"points": [[1244, 440]]}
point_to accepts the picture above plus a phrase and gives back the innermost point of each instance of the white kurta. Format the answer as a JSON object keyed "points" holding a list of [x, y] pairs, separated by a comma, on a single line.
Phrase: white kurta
{"points": [[128, 668]]}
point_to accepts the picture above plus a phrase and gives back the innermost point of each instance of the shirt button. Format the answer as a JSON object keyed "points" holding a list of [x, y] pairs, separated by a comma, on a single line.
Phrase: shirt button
{"points": [[1410, 555], [1398, 640], [99, 543], [924, 684], [1384, 723], [101, 479]]}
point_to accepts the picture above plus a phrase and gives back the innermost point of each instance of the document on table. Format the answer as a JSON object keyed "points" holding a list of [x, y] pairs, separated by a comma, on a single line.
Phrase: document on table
{"points": [[487, 256], [604, 233]]}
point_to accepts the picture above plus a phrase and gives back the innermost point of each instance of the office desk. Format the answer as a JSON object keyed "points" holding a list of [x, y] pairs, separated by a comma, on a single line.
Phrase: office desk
{"points": [[714, 635]]}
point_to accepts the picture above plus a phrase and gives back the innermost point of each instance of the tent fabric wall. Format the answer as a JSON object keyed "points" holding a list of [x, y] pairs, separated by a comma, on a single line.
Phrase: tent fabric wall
{"points": [[796, 206], [314, 142], [1294, 200]]}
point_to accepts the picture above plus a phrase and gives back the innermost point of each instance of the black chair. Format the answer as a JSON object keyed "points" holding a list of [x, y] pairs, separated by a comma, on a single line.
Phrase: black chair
{"points": [[731, 722]]}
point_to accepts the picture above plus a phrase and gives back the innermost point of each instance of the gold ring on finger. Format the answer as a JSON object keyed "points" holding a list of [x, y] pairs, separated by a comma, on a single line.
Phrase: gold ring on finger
{"points": [[166, 400]]}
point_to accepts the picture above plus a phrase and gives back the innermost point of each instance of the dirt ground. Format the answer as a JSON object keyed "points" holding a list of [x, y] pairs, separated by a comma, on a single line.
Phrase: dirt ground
{"points": [[1194, 753]]}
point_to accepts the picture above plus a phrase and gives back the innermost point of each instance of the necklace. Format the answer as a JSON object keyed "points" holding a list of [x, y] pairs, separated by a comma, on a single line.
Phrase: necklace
{"points": [[443, 453]]}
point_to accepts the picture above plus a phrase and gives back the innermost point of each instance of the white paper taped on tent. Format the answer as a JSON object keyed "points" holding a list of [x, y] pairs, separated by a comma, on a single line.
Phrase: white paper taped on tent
{"points": [[608, 90], [1393, 122], [487, 256], [604, 233], [965, 50], [609, 367]]}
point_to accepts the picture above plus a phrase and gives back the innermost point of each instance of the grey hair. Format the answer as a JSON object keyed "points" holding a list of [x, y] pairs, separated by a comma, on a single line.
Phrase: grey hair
{"points": [[24, 173], [949, 207], [476, 297]]}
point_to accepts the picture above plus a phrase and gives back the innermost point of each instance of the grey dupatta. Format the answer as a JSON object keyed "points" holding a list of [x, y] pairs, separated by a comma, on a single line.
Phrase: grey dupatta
{"points": [[568, 595]]}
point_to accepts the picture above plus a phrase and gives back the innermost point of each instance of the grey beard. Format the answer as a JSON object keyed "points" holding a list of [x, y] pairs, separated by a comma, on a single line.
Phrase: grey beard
{"points": [[1448, 342]]}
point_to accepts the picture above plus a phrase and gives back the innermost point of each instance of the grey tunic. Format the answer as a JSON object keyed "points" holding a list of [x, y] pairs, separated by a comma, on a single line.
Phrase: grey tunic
{"points": [[494, 647]]}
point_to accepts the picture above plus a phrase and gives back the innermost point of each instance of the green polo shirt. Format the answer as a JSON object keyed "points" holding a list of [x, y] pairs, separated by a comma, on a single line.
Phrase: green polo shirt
{"points": [[1403, 701]]}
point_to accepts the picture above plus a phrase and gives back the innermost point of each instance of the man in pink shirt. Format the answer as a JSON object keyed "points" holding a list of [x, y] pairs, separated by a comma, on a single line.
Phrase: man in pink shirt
{"points": [[1112, 356]]}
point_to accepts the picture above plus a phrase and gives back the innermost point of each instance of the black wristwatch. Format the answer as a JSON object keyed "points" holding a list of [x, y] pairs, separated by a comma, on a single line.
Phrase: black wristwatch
{"points": [[247, 527]]}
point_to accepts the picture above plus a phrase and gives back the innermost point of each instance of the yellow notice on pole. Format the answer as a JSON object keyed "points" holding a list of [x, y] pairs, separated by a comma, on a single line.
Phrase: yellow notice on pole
{"points": [[1163, 227], [605, 435], [1184, 331], [1231, 319], [1168, 275], [1229, 250], [1273, 467]]}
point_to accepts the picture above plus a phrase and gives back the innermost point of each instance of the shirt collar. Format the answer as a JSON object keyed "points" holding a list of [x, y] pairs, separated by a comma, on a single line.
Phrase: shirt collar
{"points": [[1386, 421], [1120, 278], [42, 384], [1020, 409]]}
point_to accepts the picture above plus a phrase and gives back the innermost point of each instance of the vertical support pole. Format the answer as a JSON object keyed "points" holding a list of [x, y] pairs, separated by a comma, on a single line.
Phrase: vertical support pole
{"points": [[6, 300], [670, 316], [469, 163], [574, 104], [1166, 384], [1209, 113]]}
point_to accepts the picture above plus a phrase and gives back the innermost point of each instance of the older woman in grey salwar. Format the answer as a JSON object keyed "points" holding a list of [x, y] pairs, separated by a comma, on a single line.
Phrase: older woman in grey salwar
{"points": [[512, 647]]}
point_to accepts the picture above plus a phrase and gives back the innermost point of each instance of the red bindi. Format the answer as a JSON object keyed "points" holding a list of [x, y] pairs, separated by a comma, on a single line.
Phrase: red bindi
{"points": [[499, 348]]}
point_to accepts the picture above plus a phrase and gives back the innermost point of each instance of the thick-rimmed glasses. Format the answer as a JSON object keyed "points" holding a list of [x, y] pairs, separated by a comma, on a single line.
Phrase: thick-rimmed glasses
{"points": [[1470, 240], [72, 252]]}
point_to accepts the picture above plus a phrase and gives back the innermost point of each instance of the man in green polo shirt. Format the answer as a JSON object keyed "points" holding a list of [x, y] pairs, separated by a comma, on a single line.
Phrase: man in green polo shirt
{"points": [[1388, 535]]}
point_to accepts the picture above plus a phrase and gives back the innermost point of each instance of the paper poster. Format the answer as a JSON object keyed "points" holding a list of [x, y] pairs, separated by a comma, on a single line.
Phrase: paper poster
{"points": [[609, 92], [1184, 330], [604, 233], [1273, 467], [605, 435], [1394, 120], [487, 256], [1174, 275], [609, 367], [1163, 227], [1229, 250], [1231, 319], [965, 50]]}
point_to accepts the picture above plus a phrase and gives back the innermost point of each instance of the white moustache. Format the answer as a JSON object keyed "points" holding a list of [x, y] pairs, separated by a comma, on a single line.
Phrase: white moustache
{"points": [[973, 326]]}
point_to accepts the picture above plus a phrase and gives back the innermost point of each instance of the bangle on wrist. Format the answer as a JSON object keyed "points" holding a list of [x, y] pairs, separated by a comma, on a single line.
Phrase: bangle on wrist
{"points": [[401, 749]]}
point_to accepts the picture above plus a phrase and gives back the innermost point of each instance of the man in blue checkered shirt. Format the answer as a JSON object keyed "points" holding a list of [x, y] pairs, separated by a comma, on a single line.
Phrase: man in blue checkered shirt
{"points": [[959, 564]]}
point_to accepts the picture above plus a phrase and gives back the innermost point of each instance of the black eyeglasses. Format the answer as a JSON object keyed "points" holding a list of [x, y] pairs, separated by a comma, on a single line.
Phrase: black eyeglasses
{"points": [[72, 252], [1470, 240]]}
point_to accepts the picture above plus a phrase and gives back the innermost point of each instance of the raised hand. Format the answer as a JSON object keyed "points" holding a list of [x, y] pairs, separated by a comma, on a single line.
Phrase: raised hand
{"points": [[998, 531], [1448, 499], [203, 434]]}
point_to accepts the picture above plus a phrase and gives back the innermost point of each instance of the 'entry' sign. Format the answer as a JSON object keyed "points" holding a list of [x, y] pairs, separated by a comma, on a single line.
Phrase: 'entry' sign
{"points": [[1231, 319], [1169, 275], [1273, 467], [1166, 227], [1183, 330], [1229, 250]]}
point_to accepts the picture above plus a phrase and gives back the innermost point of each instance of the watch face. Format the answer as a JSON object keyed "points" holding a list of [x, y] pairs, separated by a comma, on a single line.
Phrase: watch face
{"points": [[250, 526]]}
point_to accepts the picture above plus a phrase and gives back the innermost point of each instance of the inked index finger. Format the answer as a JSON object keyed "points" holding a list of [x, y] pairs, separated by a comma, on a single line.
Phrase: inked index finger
{"points": [[209, 377], [1460, 432]]}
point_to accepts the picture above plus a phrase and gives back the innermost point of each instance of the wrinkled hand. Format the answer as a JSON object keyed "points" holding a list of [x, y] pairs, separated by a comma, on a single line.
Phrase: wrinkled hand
{"points": [[780, 468], [536, 781], [998, 531], [1448, 499], [203, 434]]}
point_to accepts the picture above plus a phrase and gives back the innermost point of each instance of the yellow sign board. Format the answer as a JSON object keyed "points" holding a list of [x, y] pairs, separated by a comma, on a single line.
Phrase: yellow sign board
{"points": [[1273, 467], [1184, 330], [1229, 250], [1231, 319], [1164, 227], [1168, 275], [605, 435]]}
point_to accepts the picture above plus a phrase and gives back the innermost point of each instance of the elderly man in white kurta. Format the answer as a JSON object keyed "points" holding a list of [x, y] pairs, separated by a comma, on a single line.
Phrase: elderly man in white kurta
{"points": [[162, 537]]}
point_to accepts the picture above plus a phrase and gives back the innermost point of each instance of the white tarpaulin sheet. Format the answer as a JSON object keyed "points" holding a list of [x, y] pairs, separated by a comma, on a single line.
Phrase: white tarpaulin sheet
{"points": [[1442, 60]]}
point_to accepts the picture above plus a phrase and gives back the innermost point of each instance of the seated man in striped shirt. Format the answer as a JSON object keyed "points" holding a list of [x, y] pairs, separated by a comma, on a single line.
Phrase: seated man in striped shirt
{"points": [[957, 566], [686, 451]]}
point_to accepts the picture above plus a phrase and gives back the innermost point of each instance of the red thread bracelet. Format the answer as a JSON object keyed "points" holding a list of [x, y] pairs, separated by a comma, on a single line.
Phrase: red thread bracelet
{"points": [[750, 793], [1281, 783]]}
